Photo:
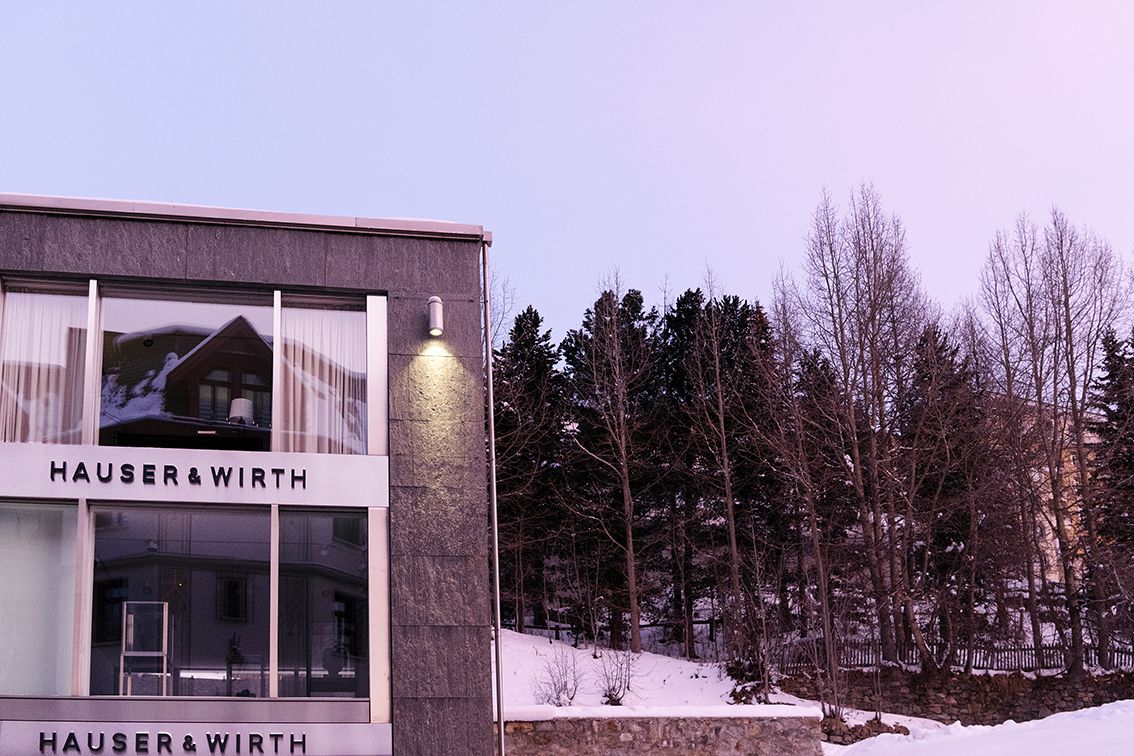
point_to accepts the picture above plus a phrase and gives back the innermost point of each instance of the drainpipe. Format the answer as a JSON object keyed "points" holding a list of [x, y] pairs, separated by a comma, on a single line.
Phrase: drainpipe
{"points": [[485, 244]]}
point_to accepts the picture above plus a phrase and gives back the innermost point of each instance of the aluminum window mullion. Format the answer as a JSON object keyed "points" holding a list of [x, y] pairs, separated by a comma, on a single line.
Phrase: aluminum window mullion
{"points": [[84, 530], [1, 310], [378, 518], [92, 366], [84, 587], [377, 395], [274, 606], [277, 371]]}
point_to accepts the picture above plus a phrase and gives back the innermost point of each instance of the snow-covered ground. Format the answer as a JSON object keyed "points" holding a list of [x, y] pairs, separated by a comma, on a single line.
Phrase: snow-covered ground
{"points": [[1088, 732], [660, 685], [663, 686]]}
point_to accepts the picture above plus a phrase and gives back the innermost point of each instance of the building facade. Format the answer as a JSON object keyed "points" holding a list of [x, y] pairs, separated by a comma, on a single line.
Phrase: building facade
{"points": [[242, 486]]}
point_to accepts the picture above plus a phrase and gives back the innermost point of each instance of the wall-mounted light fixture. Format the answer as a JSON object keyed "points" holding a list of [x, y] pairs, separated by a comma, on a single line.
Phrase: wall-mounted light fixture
{"points": [[436, 316]]}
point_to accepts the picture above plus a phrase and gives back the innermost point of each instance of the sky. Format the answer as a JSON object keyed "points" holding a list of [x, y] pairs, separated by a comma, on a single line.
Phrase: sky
{"points": [[658, 140]]}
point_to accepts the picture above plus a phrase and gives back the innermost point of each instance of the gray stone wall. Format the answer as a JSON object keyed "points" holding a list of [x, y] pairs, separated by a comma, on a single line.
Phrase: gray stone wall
{"points": [[701, 736], [438, 510], [971, 699]]}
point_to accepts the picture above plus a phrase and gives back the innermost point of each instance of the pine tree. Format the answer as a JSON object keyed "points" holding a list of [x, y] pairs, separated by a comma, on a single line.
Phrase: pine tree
{"points": [[613, 391], [530, 405]]}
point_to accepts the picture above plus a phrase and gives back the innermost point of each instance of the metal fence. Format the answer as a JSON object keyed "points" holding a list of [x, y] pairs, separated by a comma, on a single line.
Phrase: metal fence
{"points": [[804, 655]]}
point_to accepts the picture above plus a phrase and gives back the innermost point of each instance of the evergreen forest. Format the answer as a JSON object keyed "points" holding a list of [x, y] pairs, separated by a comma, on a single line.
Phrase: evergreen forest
{"points": [[845, 469]]}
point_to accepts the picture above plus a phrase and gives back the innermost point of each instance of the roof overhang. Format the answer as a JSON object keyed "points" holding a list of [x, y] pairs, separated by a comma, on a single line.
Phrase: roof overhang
{"points": [[230, 216]]}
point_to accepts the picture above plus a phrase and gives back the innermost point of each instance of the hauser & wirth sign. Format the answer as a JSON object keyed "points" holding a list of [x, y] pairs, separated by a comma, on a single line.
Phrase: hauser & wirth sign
{"points": [[150, 738], [117, 473]]}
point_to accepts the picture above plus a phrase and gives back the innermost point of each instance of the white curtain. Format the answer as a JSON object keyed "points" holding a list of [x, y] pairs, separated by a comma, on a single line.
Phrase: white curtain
{"points": [[324, 381], [42, 351], [37, 598]]}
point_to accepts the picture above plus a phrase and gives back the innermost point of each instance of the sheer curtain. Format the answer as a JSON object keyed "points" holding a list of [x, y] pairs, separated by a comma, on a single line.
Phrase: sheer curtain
{"points": [[42, 346], [37, 598], [324, 381]]}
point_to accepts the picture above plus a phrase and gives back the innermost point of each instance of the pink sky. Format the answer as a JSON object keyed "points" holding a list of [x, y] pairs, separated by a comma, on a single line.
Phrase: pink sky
{"points": [[656, 138]]}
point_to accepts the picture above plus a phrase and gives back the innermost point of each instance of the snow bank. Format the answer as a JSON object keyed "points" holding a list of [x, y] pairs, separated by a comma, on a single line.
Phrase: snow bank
{"points": [[1099, 730]]}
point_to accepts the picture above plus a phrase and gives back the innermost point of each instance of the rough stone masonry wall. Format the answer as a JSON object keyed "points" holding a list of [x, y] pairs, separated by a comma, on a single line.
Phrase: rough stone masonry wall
{"points": [[781, 736], [971, 699]]}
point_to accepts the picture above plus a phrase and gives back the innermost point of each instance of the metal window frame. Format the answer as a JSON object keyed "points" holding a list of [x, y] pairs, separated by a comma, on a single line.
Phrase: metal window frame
{"points": [[378, 523]]}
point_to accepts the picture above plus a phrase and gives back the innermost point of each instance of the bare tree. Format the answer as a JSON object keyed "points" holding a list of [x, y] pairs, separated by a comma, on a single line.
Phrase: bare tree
{"points": [[1048, 303], [862, 307], [611, 375]]}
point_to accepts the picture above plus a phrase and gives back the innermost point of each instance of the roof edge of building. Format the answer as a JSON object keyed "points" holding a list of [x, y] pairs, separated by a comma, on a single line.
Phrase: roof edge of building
{"points": [[226, 215]]}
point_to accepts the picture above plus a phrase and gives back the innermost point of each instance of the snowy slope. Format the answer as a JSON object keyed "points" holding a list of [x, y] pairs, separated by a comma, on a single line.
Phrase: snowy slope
{"points": [[665, 686], [662, 686], [1088, 732]]}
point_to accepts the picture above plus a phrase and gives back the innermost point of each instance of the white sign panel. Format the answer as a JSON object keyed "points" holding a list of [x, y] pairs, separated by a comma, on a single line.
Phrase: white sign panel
{"points": [[121, 473], [194, 739]]}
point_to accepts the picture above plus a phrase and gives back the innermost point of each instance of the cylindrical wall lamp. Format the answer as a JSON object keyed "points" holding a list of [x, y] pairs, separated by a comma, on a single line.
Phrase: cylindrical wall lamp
{"points": [[436, 316]]}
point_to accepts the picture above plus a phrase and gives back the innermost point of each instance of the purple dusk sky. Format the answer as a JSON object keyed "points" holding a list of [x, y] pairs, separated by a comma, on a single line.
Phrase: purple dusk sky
{"points": [[653, 138]]}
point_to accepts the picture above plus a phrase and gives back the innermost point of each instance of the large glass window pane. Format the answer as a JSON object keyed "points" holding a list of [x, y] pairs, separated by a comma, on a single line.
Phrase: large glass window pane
{"points": [[42, 352], [324, 380], [186, 374], [323, 604], [207, 572], [37, 598]]}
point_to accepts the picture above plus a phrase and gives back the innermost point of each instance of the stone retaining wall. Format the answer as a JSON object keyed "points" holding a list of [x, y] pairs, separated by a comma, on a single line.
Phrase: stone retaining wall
{"points": [[971, 699], [699, 736]]}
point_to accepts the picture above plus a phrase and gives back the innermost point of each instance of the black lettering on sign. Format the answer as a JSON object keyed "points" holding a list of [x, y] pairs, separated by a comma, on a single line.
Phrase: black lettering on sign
{"points": [[299, 478], [104, 477], [58, 468], [119, 741], [299, 740], [258, 477], [94, 747], [44, 740], [80, 474], [127, 473], [169, 475], [222, 475], [277, 471], [149, 474], [164, 741], [141, 742], [216, 740]]}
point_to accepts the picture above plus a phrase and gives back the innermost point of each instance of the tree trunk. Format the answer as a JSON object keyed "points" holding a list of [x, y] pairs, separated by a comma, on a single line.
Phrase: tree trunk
{"points": [[631, 566]]}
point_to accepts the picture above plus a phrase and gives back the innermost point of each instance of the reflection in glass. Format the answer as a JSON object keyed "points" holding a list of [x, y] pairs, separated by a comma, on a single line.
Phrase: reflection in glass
{"points": [[323, 604], [209, 571], [37, 598], [174, 374], [324, 381], [42, 351]]}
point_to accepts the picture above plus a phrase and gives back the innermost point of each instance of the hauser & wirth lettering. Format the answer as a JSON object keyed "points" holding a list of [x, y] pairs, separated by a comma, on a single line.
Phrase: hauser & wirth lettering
{"points": [[219, 476], [165, 742]]}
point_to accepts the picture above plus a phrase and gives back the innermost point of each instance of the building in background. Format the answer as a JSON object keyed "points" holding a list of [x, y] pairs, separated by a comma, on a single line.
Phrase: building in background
{"points": [[242, 488]]}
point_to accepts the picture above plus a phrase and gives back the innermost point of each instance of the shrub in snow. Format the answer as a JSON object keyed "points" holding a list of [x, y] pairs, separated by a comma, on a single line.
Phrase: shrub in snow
{"points": [[616, 671], [751, 680], [559, 682]]}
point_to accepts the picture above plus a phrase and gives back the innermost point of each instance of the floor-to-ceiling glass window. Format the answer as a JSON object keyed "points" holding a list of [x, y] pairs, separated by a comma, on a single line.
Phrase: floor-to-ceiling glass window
{"points": [[37, 598], [187, 374], [324, 380], [42, 352], [207, 572], [323, 603]]}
